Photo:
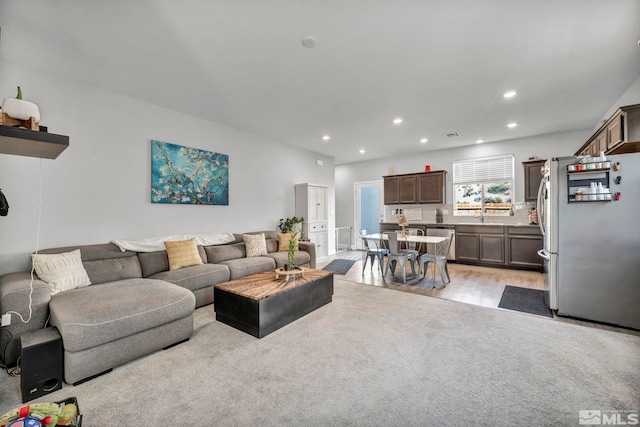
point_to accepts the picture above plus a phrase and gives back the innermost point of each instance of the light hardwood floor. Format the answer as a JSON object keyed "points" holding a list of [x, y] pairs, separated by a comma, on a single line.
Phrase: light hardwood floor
{"points": [[469, 284]]}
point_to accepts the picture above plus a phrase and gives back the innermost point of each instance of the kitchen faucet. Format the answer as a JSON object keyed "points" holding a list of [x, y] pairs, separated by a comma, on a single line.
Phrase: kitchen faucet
{"points": [[481, 216]]}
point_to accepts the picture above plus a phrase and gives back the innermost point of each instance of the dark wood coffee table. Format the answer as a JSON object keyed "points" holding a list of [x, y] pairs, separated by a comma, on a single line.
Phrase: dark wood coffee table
{"points": [[261, 303]]}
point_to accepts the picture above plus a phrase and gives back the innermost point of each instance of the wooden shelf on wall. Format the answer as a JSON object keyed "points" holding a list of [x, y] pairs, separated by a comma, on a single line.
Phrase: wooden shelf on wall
{"points": [[25, 142]]}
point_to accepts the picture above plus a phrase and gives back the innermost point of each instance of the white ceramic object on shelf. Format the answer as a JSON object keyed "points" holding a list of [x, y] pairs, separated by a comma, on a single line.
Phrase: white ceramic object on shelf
{"points": [[20, 109]]}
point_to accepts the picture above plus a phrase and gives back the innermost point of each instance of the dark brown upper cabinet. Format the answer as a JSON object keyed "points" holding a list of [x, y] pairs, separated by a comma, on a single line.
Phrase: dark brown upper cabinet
{"points": [[415, 188]]}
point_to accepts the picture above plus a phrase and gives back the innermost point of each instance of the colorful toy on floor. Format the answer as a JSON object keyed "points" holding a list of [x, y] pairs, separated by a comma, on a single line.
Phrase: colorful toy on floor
{"points": [[40, 415]]}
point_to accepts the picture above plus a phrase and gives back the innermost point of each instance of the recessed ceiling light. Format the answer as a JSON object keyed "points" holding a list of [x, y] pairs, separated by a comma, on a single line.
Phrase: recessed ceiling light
{"points": [[424, 140], [326, 137], [479, 141], [397, 121], [509, 94], [512, 125], [362, 151]]}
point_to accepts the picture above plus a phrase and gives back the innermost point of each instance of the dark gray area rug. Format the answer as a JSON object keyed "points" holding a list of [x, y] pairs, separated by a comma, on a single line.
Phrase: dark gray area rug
{"points": [[525, 300], [340, 266]]}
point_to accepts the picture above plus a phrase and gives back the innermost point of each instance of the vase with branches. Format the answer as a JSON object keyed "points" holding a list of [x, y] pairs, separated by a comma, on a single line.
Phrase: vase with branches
{"points": [[291, 251]]}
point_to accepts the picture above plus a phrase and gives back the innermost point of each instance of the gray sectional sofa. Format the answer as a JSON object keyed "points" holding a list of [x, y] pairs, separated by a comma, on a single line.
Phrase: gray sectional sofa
{"points": [[134, 306]]}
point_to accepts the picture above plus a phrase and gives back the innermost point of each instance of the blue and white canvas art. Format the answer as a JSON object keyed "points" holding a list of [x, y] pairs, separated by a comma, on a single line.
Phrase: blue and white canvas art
{"points": [[188, 176]]}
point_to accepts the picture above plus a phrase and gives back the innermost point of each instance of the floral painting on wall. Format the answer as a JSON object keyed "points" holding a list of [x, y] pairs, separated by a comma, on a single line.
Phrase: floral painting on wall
{"points": [[184, 175]]}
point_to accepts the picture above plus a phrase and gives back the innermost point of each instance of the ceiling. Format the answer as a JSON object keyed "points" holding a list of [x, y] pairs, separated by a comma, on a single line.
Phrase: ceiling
{"points": [[442, 66]]}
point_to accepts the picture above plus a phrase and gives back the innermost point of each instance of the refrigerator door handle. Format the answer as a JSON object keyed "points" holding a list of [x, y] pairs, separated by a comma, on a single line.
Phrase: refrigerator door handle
{"points": [[540, 203], [544, 254]]}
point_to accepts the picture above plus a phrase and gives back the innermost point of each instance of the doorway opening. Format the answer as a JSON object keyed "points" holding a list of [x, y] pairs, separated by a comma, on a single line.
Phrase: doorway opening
{"points": [[369, 208]]}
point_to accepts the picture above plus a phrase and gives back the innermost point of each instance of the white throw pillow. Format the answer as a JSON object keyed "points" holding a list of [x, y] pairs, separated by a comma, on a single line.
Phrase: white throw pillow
{"points": [[62, 272], [256, 244]]}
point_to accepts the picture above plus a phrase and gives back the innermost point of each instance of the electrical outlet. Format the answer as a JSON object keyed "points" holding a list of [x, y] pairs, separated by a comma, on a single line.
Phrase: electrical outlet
{"points": [[445, 211], [6, 319]]}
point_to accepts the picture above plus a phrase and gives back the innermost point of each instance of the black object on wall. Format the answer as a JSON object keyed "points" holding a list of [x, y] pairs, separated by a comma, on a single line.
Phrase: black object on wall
{"points": [[4, 205], [40, 363]]}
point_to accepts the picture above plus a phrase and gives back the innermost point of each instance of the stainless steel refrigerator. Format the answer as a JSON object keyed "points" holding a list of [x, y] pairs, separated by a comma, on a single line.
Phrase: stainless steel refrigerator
{"points": [[589, 214]]}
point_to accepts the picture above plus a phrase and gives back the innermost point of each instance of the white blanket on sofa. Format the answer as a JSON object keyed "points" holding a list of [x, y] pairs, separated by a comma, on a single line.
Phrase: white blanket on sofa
{"points": [[157, 243]]}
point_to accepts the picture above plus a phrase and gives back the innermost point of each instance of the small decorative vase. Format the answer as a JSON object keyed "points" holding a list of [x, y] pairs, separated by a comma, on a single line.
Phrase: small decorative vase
{"points": [[20, 109]]}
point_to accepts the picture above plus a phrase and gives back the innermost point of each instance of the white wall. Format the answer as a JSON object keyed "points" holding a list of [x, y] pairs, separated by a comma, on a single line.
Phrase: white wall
{"points": [[98, 189], [542, 146]]}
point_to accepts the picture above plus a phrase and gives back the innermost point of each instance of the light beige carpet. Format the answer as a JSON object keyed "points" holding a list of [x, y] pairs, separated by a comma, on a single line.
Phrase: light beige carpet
{"points": [[372, 357]]}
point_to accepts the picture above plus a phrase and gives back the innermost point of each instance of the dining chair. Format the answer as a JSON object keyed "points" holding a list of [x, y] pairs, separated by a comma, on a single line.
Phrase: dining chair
{"points": [[397, 256], [439, 260], [414, 246], [373, 250]]}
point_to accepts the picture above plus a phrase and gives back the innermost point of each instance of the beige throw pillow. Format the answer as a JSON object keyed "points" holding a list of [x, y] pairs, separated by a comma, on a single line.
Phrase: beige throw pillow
{"points": [[256, 244], [283, 242], [62, 272], [182, 253]]}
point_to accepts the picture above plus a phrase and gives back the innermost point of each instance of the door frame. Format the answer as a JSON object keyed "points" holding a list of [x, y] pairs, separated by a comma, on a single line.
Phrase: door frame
{"points": [[357, 186]]}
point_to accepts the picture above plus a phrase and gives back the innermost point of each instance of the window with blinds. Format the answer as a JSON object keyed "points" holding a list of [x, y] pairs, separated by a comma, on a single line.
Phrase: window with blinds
{"points": [[483, 186]]}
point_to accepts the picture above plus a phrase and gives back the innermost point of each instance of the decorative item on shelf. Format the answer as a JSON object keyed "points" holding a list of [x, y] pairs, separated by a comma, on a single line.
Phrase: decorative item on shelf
{"points": [[4, 205], [438, 216], [403, 222], [533, 215], [427, 168], [291, 225], [18, 112], [511, 212]]}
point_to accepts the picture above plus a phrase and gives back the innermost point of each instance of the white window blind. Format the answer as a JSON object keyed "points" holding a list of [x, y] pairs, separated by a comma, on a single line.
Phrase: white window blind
{"points": [[486, 169]]}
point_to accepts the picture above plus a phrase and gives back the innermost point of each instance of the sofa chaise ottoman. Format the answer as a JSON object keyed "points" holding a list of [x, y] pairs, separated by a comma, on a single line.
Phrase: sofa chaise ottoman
{"points": [[120, 316]]}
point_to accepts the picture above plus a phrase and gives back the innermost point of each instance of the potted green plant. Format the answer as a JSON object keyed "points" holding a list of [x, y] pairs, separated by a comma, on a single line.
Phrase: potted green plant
{"points": [[291, 251], [290, 225]]}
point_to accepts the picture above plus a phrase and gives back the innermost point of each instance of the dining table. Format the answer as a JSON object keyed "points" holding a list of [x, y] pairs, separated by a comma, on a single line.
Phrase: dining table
{"points": [[409, 238], [434, 241]]}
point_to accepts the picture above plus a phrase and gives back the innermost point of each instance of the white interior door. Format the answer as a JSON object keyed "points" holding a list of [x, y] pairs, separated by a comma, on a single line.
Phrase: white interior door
{"points": [[369, 208]]}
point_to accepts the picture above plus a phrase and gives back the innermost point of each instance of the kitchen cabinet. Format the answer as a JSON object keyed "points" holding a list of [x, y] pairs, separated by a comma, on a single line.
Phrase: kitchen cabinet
{"points": [[613, 133], [467, 247], [417, 188], [618, 135], [318, 234], [600, 143], [431, 187], [491, 245], [311, 202], [391, 190], [499, 246], [480, 244], [523, 244], [408, 189], [532, 178], [312, 205], [31, 143]]}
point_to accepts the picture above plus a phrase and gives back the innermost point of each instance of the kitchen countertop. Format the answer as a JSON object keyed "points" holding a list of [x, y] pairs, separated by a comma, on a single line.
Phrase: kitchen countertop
{"points": [[461, 223]]}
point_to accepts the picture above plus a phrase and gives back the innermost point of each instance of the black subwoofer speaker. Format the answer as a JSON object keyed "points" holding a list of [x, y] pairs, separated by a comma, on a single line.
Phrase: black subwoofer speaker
{"points": [[40, 363]]}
